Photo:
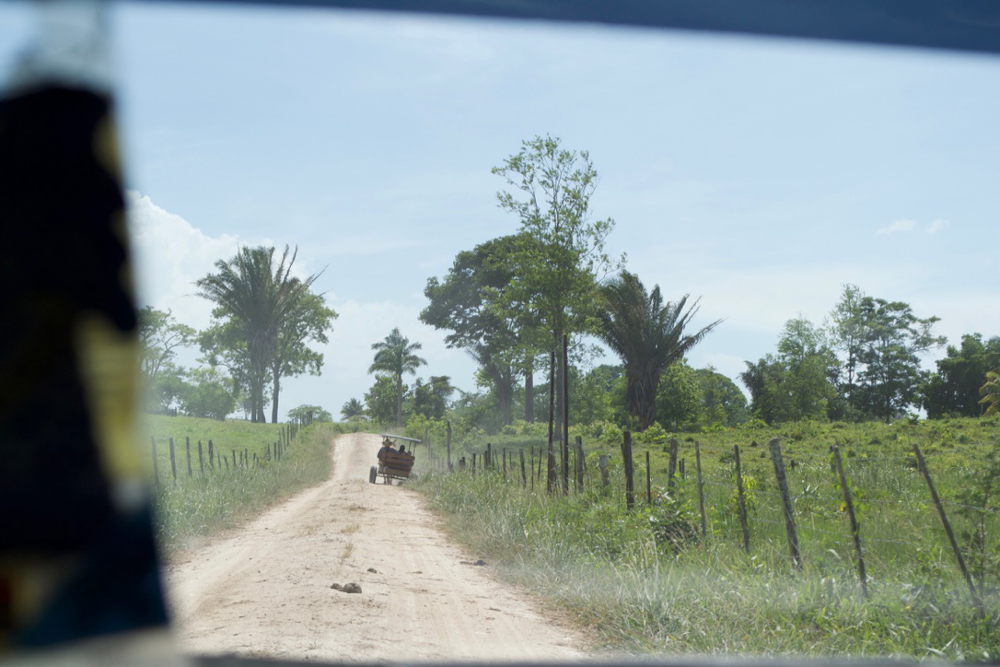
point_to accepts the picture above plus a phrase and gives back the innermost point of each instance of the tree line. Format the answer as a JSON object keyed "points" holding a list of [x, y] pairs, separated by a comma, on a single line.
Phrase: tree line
{"points": [[509, 302]]}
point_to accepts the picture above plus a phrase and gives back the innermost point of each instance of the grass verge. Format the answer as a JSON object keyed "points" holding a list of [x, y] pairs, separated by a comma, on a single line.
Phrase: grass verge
{"points": [[224, 496], [646, 581]]}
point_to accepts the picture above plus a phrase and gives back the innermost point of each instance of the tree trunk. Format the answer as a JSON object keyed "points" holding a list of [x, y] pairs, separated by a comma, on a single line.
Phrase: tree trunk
{"points": [[529, 392], [399, 400], [275, 388]]}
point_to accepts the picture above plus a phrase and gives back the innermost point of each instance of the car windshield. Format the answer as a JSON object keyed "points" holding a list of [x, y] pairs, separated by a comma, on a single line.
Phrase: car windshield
{"points": [[469, 339]]}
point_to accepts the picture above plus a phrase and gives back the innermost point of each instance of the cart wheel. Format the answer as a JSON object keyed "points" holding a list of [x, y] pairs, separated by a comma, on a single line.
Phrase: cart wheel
{"points": [[372, 474]]}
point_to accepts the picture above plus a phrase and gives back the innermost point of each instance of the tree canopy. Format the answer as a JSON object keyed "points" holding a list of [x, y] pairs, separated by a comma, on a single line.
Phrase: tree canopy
{"points": [[648, 334]]}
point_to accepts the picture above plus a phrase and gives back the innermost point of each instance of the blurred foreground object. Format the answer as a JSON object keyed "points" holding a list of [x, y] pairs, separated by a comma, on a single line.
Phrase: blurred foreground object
{"points": [[77, 555]]}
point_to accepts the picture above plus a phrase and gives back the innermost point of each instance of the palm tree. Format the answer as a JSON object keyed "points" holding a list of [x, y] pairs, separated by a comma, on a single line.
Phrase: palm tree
{"points": [[352, 408], [648, 334], [394, 357], [257, 296]]}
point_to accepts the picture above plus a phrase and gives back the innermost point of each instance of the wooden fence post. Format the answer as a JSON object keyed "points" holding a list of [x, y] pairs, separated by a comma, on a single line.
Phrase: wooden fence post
{"points": [[473, 464], [680, 466], [234, 458], [741, 501], [173, 462], [201, 460], [672, 464], [524, 474], [976, 599], [629, 479], [156, 467], [187, 451], [504, 464], [602, 465], [855, 531], [701, 488], [649, 487], [448, 441], [211, 455], [488, 457], [786, 502]]}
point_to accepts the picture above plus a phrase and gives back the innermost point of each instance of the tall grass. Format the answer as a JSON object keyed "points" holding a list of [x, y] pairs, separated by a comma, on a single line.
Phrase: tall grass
{"points": [[647, 582], [223, 498]]}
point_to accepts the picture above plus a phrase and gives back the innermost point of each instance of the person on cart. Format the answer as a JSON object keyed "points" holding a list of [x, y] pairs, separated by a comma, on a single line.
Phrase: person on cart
{"points": [[387, 446]]}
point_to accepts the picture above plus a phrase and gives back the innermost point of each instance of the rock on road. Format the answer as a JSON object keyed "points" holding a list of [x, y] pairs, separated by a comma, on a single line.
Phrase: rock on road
{"points": [[265, 589]]}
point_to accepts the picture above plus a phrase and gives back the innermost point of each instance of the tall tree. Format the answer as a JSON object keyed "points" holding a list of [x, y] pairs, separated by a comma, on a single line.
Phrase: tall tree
{"points": [[954, 388], [469, 302], [648, 334], [549, 190], [255, 299], [394, 357], [882, 341]]}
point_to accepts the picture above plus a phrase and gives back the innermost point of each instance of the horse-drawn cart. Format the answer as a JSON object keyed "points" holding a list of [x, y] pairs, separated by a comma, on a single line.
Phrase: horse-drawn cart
{"points": [[392, 464]]}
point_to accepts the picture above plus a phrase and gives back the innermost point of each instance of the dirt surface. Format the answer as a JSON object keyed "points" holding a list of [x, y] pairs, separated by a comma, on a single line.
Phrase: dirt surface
{"points": [[266, 589]]}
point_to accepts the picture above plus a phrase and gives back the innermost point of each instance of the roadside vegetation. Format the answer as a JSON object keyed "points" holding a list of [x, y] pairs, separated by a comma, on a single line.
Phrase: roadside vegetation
{"points": [[647, 581]]}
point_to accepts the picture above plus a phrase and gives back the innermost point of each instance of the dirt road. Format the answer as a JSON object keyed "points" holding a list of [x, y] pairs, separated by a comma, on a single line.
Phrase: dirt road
{"points": [[265, 590]]}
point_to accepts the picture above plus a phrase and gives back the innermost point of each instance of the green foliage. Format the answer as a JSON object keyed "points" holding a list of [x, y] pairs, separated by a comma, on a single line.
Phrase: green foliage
{"points": [[798, 383], [380, 400], [304, 415], [593, 397], [160, 335], [470, 302], [882, 340], [647, 333], [990, 392], [954, 389], [352, 408], [208, 393], [722, 403], [679, 397], [394, 357], [550, 190]]}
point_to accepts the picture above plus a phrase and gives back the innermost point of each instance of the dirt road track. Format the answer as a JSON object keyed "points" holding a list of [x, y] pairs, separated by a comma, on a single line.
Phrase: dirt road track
{"points": [[265, 590]]}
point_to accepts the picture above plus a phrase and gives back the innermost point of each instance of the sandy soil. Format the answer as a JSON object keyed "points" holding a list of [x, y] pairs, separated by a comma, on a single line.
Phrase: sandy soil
{"points": [[265, 590]]}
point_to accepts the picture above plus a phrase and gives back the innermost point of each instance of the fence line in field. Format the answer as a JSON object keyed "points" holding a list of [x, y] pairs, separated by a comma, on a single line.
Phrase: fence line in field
{"points": [[211, 461], [492, 461]]}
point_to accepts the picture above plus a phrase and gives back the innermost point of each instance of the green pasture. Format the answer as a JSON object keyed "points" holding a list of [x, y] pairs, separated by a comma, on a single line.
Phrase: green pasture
{"points": [[648, 581]]}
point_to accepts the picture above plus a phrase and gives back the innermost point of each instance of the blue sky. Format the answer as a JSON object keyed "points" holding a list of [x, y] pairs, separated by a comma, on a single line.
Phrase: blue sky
{"points": [[758, 174]]}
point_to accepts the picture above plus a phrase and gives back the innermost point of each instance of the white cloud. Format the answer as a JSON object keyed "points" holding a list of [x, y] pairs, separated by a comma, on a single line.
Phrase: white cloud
{"points": [[171, 254], [937, 225], [896, 227]]}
